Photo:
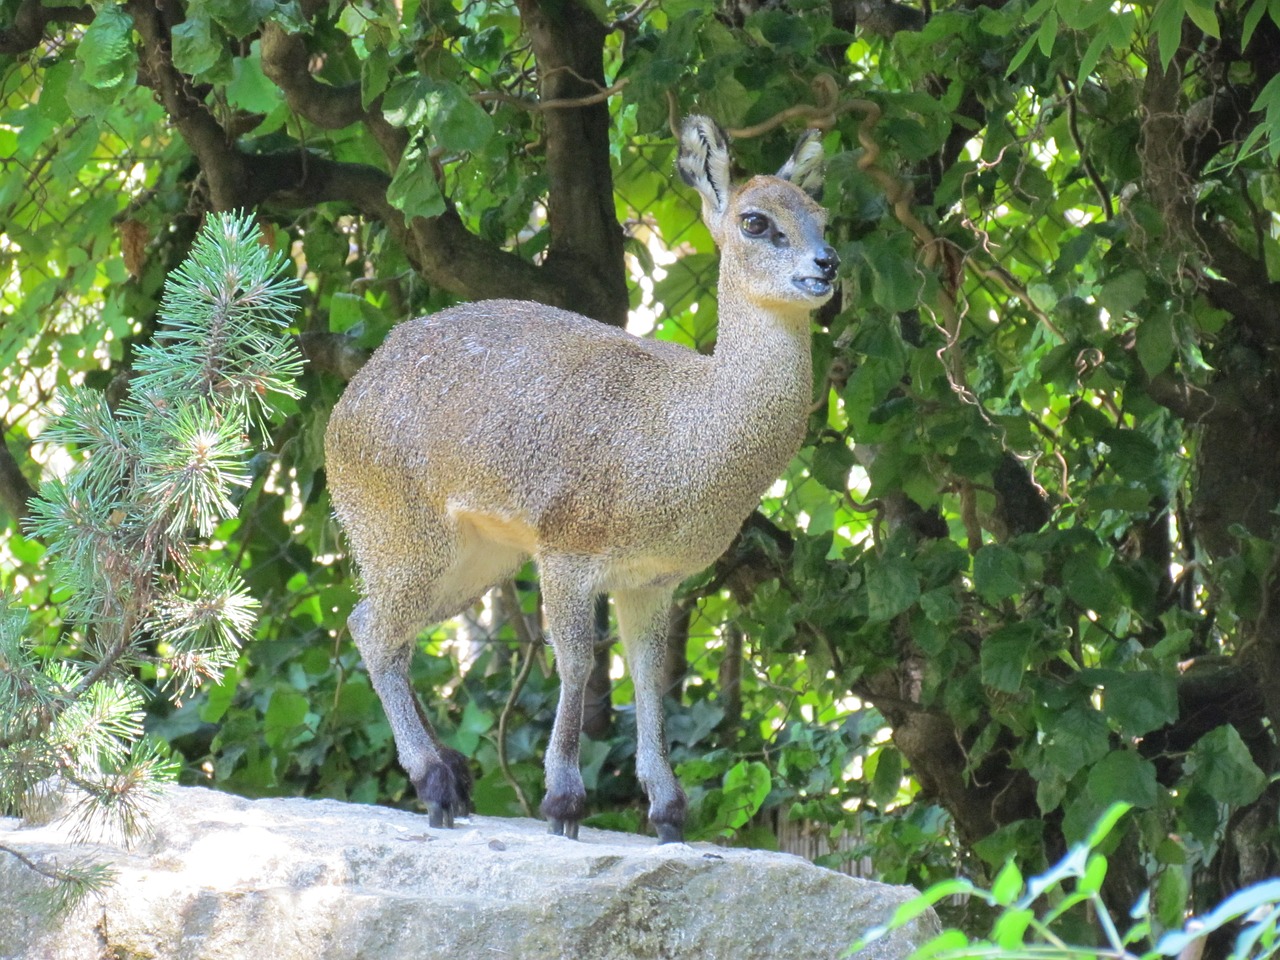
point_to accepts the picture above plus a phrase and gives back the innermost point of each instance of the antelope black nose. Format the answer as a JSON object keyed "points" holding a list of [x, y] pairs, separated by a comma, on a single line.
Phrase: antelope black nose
{"points": [[827, 261]]}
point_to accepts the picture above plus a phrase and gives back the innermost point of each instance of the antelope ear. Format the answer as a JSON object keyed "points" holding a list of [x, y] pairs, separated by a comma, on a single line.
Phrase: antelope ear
{"points": [[805, 168], [703, 163]]}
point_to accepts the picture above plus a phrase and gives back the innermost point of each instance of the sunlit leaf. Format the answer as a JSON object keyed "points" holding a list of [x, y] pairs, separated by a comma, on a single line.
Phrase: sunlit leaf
{"points": [[414, 190]]}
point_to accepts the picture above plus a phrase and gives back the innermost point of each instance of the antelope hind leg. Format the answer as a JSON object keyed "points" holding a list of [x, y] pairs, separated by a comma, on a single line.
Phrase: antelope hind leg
{"points": [[643, 622]]}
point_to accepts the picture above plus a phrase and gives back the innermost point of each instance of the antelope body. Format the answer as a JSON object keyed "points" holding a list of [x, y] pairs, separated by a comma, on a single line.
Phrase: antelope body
{"points": [[495, 431]]}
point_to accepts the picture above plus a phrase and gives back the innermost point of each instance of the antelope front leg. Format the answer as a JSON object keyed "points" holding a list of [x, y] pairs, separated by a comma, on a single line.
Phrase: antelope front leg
{"points": [[643, 623], [567, 593]]}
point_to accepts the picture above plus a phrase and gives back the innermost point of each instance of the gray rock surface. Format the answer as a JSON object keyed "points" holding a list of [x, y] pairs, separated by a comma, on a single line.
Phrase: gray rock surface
{"points": [[224, 878]]}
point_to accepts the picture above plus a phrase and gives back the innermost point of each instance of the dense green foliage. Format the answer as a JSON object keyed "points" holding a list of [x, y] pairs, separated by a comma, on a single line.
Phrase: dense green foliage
{"points": [[1025, 566], [1037, 918]]}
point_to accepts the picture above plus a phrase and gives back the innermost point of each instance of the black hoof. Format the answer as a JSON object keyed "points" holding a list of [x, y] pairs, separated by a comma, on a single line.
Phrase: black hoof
{"points": [[460, 767], [669, 832], [563, 828], [564, 811], [667, 813], [439, 815], [445, 789]]}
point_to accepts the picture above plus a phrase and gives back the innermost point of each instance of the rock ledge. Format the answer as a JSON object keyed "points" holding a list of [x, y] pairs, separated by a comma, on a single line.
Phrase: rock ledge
{"points": [[224, 878]]}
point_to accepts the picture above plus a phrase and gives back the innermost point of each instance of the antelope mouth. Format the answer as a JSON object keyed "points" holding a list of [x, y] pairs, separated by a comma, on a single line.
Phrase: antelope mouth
{"points": [[812, 286]]}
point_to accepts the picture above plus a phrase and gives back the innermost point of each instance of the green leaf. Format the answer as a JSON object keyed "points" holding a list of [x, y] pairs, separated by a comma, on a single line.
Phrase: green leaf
{"points": [[414, 190], [1010, 929], [197, 46], [1166, 21], [454, 121], [1123, 776], [1139, 702], [105, 65], [997, 573], [289, 16], [896, 281], [1155, 343], [1088, 584], [832, 460], [997, 23], [1251, 20], [694, 725], [356, 18], [892, 587], [1269, 101], [285, 715], [476, 721], [457, 122], [1095, 872], [355, 703], [1115, 496], [220, 695], [940, 605], [1172, 890], [1092, 54], [375, 75], [1023, 51], [1122, 293], [1133, 455], [746, 784], [1005, 655], [1047, 35], [1204, 17], [249, 89], [887, 779], [346, 310], [784, 30], [1117, 27], [238, 17], [106, 55], [1224, 769], [1007, 886]]}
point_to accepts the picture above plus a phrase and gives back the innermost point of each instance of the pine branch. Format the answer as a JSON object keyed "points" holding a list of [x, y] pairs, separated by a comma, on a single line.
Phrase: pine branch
{"points": [[150, 479]]}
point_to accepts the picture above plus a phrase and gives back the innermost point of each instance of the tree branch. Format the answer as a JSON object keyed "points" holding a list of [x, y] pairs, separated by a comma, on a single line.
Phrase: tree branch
{"points": [[458, 260], [1212, 123], [1193, 404], [223, 165], [586, 248], [29, 23], [297, 178], [534, 106], [1246, 292], [15, 489], [584, 230], [286, 63], [441, 248]]}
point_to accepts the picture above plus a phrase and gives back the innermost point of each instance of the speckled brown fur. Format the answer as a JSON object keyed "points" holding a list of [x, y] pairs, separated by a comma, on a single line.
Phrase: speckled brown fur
{"points": [[494, 431]]}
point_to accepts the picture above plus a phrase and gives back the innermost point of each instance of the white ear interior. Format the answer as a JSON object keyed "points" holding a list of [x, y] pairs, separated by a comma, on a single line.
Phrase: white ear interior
{"points": [[805, 166], [704, 165]]}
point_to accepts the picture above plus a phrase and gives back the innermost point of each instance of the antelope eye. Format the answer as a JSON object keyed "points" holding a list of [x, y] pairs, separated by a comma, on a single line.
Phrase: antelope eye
{"points": [[755, 224]]}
